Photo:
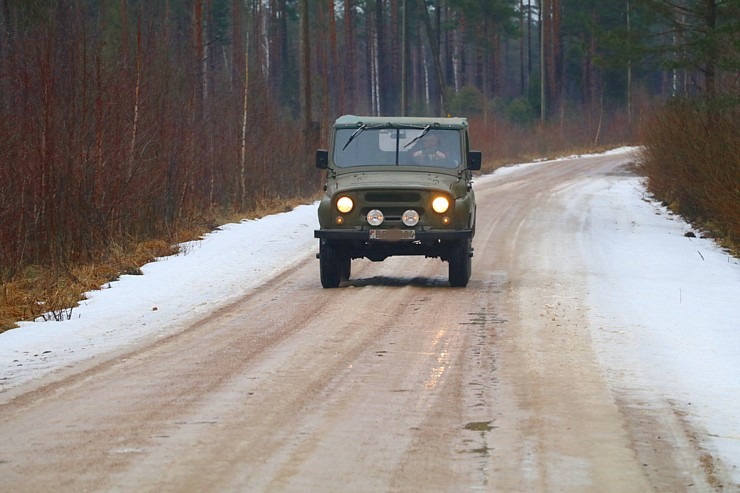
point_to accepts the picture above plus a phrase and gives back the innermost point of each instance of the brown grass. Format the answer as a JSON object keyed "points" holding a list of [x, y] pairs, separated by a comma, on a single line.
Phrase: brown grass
{"points": [[52, 293]]}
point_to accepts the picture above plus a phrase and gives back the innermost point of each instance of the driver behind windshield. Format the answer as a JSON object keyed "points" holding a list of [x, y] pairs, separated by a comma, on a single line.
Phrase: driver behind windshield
{"points": [[429, 151]]}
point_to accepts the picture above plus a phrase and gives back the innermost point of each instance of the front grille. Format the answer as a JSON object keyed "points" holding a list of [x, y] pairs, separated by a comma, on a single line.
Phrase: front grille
{"points": [[393, 197]]}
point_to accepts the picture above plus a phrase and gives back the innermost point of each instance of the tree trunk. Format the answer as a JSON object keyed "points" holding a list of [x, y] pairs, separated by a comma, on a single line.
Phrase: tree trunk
{"points": [[323, 55], [306, 79], [243, 143], [544, 27], [199, 49], [434, 43], [350, 65], [556, 59], [335, 81], [712, 52], [522, 70]]}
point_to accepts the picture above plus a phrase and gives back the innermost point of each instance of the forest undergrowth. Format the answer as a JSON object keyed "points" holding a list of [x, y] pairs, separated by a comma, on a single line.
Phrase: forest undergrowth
{"points": [[691, 157]]}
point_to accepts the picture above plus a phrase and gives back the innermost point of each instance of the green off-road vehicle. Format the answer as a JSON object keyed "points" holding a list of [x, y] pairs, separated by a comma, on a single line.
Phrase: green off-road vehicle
{"points": [[397, 186]]}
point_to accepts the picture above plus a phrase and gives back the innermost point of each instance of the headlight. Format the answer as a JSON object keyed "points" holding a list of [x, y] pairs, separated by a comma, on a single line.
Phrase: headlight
{"points": [[410, 218], [345, 204], [375, 217], [440, 205]]}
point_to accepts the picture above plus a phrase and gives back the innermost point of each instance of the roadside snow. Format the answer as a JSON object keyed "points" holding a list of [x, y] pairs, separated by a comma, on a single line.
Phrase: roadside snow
{"points": [[665, 308], [207, 274]]}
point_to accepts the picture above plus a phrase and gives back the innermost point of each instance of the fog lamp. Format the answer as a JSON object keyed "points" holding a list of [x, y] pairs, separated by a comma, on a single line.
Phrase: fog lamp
{"points": [[375, 217], [410, 218], [339, 220]]}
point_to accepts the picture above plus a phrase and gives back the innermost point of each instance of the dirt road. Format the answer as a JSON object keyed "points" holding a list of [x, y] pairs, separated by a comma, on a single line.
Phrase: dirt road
{"points": [[393, 382]]}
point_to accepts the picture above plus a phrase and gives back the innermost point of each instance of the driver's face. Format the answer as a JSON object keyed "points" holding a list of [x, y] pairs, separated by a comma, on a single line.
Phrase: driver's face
{"points": [[431, 143]]}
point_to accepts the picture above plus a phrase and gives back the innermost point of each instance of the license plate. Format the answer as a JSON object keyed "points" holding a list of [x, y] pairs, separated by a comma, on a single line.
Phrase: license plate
{"points": [[392, 234]]}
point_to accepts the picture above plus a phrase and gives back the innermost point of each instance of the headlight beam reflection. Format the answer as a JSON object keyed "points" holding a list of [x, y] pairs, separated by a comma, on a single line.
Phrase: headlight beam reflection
{"points": [[442, 359]]}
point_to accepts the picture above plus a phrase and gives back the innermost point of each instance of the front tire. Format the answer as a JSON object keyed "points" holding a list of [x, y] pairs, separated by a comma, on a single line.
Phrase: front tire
{"points": [[330, 265], [460, 264], [345, 267]]}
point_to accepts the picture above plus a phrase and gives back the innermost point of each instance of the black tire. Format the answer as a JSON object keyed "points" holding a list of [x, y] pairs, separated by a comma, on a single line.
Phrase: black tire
{"points": [[330, 265], [345, 268], [460, 264]]}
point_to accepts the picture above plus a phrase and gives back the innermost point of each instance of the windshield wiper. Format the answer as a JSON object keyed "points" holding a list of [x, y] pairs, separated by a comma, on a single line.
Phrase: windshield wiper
{"points": [[418, 137], [352, 137]]}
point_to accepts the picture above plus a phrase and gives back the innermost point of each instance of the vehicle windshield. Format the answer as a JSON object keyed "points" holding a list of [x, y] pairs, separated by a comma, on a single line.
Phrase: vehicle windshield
{"points": [[424, 146]]}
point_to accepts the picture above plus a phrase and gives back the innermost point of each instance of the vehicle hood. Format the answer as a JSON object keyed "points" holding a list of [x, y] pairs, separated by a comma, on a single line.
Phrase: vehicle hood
{"points": [[396, 179]]}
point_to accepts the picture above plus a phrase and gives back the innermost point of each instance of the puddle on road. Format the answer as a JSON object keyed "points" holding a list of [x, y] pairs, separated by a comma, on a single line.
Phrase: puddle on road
{"points": [[482, 426], [484, 319]]}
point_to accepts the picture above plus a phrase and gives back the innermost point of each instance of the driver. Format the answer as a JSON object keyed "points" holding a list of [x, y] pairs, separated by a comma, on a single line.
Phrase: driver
{"points": [[429, 150]]}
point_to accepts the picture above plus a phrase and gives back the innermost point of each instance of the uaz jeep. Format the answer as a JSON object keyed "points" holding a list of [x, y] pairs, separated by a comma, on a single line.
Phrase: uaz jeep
{"points": [[397, 186]]}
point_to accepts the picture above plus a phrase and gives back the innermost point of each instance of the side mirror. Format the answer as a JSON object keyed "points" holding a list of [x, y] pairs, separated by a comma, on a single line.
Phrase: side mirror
{"points": [[474, 160], [322, 159]]}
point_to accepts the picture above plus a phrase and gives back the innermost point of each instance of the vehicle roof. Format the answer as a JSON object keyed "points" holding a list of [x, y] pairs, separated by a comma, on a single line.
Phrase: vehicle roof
{"points": [[356, 121]]}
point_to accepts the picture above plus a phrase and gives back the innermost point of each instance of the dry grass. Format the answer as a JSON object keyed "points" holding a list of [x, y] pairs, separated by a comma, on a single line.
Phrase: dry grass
{"points": [[53, 293]]}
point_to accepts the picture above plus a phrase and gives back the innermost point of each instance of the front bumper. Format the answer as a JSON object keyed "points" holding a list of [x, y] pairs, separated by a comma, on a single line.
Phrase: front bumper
{"points": [[364, 235]]}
